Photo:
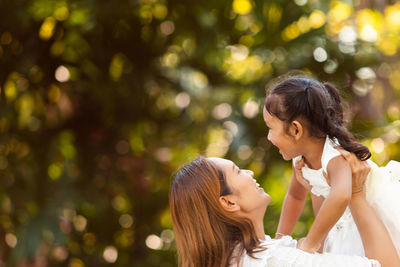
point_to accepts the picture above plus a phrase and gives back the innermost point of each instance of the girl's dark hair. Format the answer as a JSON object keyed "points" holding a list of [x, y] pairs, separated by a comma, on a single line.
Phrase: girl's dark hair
{"points": [[319, 104]]}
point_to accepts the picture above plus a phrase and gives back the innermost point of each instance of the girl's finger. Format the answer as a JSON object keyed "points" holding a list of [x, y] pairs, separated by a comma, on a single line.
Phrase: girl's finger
{"points": [[300, 164]]}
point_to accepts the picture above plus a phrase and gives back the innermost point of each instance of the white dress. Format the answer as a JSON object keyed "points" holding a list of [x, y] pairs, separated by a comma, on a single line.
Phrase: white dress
{"points": [[283, 253], [382, 192]]}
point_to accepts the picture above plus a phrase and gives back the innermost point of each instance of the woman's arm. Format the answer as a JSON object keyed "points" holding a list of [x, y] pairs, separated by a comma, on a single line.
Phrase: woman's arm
{"points": [[376, 240], [292, 207], [333, 207]]}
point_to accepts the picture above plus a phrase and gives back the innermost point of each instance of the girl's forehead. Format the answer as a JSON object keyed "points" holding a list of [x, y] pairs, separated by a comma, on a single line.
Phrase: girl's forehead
{"points": [[268, 118]]}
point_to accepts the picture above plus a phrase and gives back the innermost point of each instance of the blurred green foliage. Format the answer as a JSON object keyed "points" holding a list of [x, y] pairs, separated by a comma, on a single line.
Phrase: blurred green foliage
{"points": [[102, 101]]}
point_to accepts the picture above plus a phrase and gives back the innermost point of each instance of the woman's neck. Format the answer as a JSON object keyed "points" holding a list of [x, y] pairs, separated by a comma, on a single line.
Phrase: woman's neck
{"points": [[258, 222], [259, 229], [313, 152]]}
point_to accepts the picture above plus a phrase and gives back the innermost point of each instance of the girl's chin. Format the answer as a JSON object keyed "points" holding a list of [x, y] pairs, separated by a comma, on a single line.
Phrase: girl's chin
{"points": [[285, 157]]}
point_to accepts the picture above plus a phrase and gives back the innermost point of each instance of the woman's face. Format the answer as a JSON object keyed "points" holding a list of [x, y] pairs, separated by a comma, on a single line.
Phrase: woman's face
{"points": [[246, 192]]}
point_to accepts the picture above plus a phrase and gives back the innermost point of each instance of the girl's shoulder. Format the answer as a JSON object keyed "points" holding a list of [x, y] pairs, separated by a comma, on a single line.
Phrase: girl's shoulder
{"points": [[329, 152]]}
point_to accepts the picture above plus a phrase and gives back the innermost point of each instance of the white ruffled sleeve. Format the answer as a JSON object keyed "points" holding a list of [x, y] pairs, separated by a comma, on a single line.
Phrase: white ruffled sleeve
{"points": [[287, 256], [283, 253]]}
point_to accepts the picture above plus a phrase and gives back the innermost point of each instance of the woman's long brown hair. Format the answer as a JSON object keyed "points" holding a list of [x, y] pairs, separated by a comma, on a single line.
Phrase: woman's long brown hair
{"points": [[206, 234]]}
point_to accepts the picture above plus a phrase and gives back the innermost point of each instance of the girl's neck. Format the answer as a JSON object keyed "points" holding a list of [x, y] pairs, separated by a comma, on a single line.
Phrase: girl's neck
{"points": [[313, 152]]}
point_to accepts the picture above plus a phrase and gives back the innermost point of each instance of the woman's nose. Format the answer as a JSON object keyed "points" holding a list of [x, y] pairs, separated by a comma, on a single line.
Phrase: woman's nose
{"points": [[250, 172]]}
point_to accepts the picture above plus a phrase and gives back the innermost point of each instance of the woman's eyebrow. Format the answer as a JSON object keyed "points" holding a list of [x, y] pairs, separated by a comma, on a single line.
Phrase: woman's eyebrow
{"points": [[234, 166]]}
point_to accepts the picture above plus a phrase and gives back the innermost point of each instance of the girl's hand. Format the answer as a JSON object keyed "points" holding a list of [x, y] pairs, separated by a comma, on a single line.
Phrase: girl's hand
{"points": [[299, 175], [359, 170], [302, 244]]}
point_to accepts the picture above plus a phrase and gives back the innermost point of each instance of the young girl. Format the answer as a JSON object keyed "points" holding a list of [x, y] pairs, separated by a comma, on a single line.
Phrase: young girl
{"points": [[305, 121]]}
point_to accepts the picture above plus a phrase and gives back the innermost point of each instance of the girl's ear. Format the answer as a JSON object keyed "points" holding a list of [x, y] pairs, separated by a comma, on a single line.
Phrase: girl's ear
{"points": [[229, 203], [296, 130]]}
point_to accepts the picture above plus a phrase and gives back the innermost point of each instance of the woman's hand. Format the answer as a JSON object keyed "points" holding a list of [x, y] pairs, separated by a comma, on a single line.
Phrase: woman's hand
{"points": [[299, 175], [376, 240], [359, 170]]}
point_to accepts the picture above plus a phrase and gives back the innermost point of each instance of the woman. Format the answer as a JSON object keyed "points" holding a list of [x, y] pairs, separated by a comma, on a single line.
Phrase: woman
{"points": [[218, 210]]}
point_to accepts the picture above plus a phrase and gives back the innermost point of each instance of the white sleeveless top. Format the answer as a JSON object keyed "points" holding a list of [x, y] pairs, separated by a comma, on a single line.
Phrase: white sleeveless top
{"points": [[383, 194], [320, 186], [283, 253]]}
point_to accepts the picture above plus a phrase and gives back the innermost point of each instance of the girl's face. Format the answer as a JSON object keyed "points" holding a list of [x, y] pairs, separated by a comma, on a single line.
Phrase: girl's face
{"points": [[246, 192], [278, 136]]}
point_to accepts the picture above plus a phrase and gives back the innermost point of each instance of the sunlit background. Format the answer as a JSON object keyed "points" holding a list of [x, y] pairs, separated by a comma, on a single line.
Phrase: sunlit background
{"points": [[102, 101]]}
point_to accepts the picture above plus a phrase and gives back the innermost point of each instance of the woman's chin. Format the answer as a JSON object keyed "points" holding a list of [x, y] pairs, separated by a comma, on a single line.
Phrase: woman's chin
{"points": [[267, 199]]}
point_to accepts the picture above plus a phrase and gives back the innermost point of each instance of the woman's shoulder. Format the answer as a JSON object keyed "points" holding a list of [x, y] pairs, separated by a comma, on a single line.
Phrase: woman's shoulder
{"points": [[289, 256], [283, 252], [260, 258]]}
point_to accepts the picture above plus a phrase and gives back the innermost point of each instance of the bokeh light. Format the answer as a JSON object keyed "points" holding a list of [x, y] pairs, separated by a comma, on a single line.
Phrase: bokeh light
{"points": [[60, 253], [167, 27], [182, 100], [320, 54], [242, 7], [222, 111], [62, 74], [80, 223], [250, 109], [154, 242], [126, 220], [11, 240], [110, 254]]}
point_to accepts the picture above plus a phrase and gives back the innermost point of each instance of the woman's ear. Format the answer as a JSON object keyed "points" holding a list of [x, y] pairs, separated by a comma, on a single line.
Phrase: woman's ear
{"points": [[296, 130], [229, 203]]}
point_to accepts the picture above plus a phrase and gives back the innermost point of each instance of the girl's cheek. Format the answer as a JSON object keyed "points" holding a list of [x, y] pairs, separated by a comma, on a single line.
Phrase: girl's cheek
{"points": [[272, 140], [269, 136]]}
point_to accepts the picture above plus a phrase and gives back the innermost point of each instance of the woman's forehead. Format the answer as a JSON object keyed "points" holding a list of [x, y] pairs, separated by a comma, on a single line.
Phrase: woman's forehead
{"points": [[222, 162]]}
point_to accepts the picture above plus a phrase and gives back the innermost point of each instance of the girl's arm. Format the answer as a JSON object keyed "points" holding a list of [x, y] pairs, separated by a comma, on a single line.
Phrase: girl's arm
{"points": [[374, 235], [335, 204], [292, 207]]}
